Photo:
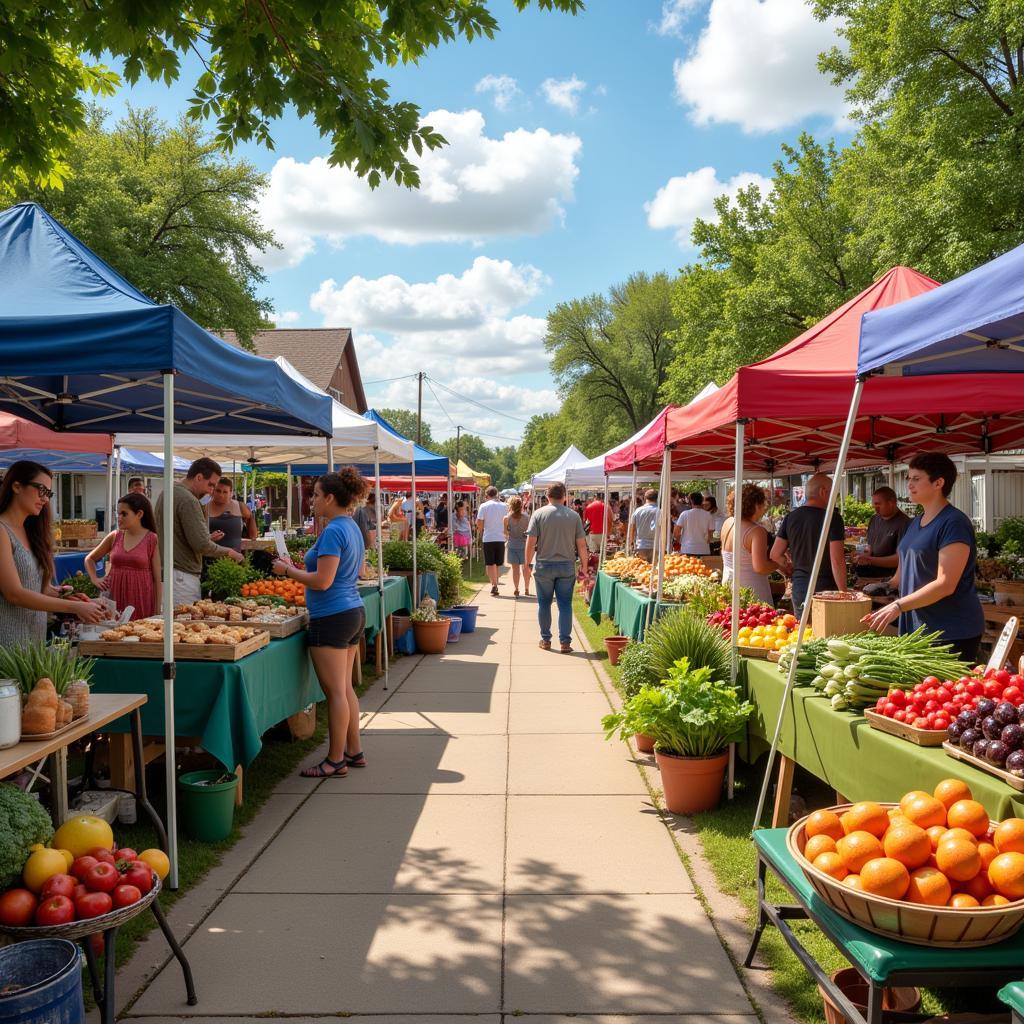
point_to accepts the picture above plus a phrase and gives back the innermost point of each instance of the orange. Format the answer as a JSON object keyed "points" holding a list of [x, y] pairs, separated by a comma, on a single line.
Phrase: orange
{"points": [[866, 816], [959, 833], [909, 798], [857, 849], [962, 900], [949, 791], [908, 844], [820, 844], [1009, 836], [958, 859], [884, 876], [978, 886], [1006, 873], [935, 833], [853, 882], [929, 886], [925, 811], [832, 864], [968, 814], [988, 854], [994, 900], [824, 823]]}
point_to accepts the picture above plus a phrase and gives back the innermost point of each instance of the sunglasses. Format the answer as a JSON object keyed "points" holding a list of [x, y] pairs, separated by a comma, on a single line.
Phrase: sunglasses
{"points": [[43, 490]]}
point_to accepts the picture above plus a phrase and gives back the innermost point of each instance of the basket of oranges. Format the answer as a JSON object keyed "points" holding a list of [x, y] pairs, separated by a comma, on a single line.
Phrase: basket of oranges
{"points": [[931, 870], [288, 590]]}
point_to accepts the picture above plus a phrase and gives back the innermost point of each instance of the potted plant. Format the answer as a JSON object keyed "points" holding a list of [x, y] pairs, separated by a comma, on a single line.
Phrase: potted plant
{"points": [[615, 645], [691, 717], [1008, 583], [430, 629]]}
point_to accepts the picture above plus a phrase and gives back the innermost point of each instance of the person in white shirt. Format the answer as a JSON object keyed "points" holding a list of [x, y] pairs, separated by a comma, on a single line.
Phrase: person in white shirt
{"points": [[694, 527], [490, 524]]}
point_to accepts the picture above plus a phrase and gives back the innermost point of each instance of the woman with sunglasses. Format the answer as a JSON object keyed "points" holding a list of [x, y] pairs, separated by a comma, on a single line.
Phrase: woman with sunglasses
{"points": [[26, 558]]}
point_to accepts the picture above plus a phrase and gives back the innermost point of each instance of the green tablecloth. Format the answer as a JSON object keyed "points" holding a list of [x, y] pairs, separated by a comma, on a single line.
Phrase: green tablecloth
{"points": [[626, 607], [602, 600], [228, 704], [854, 759], [1013, 996], [397, 597]]}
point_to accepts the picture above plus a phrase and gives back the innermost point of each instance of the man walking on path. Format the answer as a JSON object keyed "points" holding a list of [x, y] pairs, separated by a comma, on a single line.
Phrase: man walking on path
{"points": [[694, 527], [642, 527], [490, 525], [191, 530], [797, 542], [556, 535], [598, 519]]}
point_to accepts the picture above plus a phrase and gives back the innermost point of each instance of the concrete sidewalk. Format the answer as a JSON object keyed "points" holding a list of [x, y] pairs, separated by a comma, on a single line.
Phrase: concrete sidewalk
{"points": [[497, 858]]}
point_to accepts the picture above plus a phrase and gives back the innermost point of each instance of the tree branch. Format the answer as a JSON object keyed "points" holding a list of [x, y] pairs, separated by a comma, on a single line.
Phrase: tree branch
{"points": [[967, 69]]}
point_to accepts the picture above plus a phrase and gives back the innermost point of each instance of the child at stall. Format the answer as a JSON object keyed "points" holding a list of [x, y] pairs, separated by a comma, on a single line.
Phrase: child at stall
{"points": [[462, 530]]}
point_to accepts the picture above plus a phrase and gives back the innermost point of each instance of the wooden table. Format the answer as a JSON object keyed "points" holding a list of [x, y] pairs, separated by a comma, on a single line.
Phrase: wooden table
{"points": [[104, 708]]}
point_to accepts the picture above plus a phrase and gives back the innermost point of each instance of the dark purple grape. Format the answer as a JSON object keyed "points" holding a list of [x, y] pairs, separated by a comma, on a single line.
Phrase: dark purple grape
{"points": [[1015, 763], [1013, 736], [968, 738], [981, 748], [1005, 713], [985, 706], [991, 727], [1020, 712], [954, 731], [967, 718], [997, 753]]}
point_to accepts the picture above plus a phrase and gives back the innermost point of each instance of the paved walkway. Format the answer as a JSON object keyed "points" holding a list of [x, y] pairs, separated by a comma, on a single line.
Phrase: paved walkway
{"points": [[497, 858]]}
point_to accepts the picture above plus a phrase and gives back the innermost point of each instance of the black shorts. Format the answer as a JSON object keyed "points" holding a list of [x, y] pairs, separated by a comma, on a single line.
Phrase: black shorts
{"points": [[494, 552], [342, 630]]}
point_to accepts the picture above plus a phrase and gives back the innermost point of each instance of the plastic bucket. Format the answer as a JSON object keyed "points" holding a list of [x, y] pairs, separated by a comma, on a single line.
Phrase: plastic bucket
{"points": [[47, 974], [207, 806], [454, 628], [466, 612]]}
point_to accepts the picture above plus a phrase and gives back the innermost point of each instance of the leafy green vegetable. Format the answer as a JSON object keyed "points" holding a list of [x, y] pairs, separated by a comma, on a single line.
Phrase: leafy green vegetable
{"points": [[23, 822], [689, 714], [635, 670], [81, 584], [429, 558], [681, 634], [225, 578], [28, 663]]}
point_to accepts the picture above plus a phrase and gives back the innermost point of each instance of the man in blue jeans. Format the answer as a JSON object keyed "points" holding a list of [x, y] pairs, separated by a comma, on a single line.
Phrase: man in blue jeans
{"points": [[556, 536]]}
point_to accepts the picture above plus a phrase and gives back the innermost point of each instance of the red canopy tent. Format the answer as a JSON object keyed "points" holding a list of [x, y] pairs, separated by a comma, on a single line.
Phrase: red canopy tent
{"points": [[18, 433], [428, 483]]}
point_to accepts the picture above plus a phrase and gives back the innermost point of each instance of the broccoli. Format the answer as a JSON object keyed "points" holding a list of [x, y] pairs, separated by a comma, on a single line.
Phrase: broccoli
{"points": [[23, 822]]}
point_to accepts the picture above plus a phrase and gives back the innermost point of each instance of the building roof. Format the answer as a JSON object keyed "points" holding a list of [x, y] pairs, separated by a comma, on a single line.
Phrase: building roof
{"points": [[316, 352]]}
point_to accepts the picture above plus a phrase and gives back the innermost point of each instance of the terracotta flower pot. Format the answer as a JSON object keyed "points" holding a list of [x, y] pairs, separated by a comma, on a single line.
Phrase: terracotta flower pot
{"points": [[691, 784], [614, 646], [431, 637], [644, 743], [905, 999]]}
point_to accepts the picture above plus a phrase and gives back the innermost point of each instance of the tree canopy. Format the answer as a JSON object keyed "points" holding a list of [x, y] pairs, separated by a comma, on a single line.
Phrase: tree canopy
{"points": [[326, 61], [404, 421], [170, 213]]}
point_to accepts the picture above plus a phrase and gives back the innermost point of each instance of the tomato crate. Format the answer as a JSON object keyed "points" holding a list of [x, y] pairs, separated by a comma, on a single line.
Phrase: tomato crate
{"points": [[922, 737]]}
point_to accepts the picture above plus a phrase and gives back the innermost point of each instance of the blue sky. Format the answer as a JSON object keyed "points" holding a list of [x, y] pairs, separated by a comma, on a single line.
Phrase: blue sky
{"points": [[581, 150]]}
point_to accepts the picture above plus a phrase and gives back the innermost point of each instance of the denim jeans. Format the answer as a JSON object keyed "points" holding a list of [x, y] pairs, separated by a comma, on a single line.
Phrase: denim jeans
{"points": [[799, 592], [555, 580]]}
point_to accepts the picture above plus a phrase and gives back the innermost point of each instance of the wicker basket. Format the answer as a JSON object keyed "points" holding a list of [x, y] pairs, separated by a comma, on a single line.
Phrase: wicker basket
{"points": [[909, 922], [75, 930]]}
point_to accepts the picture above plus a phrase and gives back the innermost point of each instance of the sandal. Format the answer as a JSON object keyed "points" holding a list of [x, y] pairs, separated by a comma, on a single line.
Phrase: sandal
{"points": [[356, 760], [338, 770]]}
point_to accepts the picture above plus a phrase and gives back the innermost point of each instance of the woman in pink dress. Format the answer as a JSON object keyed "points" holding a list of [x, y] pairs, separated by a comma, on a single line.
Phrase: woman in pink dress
{"points": [[133, 572]]}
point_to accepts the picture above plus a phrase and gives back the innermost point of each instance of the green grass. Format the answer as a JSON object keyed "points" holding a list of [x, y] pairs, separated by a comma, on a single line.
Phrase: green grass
{"points": [[595, 635]]}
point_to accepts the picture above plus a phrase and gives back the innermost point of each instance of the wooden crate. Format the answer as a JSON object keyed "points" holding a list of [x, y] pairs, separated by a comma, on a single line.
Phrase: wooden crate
{"points": [[922, 737], [837, 618], [277, 630], [77, 531], [182, 652], [959, 754]]}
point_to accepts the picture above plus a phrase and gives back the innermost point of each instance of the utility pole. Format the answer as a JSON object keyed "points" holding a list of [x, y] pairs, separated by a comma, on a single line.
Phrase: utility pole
{"points": [[419, 408], [458, 439]]}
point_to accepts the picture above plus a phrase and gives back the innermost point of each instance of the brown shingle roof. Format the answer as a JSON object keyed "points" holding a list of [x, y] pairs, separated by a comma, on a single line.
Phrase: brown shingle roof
{"points": [[316, 352]]}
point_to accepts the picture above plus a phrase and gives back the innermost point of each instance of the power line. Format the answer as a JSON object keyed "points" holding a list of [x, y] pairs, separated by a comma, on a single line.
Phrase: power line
{"points": [[443, 409], [473, 401], [388, 380]]}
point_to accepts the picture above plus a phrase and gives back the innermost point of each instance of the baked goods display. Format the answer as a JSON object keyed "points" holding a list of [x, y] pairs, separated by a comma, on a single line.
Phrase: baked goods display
{"points": [[193, 641], [151, 631], [235, 612]]}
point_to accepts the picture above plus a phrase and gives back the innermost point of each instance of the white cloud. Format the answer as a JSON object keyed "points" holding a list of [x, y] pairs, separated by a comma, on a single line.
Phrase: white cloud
{"points": [[681, 200], [476, 188], [504, 87], [673, 15], [287, 318], [564, 93], [755, 65]]}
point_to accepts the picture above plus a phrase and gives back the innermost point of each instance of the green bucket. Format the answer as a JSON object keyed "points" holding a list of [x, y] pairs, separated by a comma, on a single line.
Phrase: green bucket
{"points": [[208, 806]]}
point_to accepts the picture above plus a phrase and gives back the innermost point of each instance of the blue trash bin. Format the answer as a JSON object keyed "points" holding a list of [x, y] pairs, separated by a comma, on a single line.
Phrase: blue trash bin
{"points": [[46, 975]]}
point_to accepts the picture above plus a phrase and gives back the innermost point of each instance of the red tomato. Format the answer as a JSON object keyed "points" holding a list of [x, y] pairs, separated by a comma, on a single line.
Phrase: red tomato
{"points": [[931, 681], [943, 693], [899, 698], [976, 688], [920, 723], [900, 716], [880, 703], [942, 721], [140, 875], [1014, 694], [103, 854], [992, 688], [125, 896], [1002, 677], [54, 910], [102, 878], [17, 907], [58, 885], [889, 709], [93, 904], [1017, 680], [81, 866]]}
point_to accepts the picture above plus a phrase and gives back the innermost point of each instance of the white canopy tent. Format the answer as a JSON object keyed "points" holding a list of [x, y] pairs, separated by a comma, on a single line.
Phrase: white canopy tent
{"points": [[556, 472]]}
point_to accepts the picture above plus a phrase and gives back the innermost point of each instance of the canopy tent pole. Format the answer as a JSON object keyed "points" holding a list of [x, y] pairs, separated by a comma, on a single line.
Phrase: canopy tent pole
{"points": [[632, 507], [451, 520], [170, 761], [737, 548], [659, 537], [805, 613], [288, 497], [666, 470], [415, 581], [110, 492], [607, 521], [382, 636], [330, 455], [892, 475], [117, 486]]}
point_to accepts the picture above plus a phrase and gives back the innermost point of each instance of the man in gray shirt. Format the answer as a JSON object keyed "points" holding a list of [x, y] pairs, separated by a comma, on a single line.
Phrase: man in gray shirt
{"points": [[642, 527], [556, 536]]}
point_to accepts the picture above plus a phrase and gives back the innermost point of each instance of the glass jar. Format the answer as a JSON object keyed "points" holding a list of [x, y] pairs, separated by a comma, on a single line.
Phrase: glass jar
{"points": [[10, 713]]}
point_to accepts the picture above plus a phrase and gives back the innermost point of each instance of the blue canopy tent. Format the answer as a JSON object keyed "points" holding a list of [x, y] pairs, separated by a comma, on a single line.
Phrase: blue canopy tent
{"points": [[81, 349], [950, 364], [133, 460]]}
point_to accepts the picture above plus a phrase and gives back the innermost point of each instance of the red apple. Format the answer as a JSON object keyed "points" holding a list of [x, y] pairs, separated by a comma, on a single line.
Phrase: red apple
{"points": [[102, 878], [58, 885], [93, 904], [126, 895], [82, 865], [140, 875], [101, 853], [55, 910]]}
